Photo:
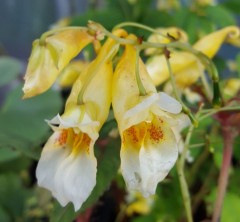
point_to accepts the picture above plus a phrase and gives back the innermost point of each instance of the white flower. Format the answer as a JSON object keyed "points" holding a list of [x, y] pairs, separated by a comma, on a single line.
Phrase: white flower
{"points": [[67, 166]]}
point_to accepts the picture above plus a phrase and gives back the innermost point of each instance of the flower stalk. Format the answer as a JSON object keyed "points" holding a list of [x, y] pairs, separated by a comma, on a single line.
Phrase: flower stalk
{"points": [[228, 137]]}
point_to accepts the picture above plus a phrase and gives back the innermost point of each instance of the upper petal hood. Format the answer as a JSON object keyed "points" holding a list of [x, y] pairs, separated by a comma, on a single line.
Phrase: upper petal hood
{"points": [[49, 58], [125, 89], [210, 44]]}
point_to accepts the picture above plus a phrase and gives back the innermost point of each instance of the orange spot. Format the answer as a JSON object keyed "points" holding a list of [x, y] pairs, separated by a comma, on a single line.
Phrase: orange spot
{"points": [[132, 133], [155, 131], [62, 139]]}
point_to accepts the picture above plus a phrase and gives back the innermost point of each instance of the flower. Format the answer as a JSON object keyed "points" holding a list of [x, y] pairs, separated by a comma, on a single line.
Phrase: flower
{"points": [[50, 56], [149, 146], [185, 66], [67, 166]]}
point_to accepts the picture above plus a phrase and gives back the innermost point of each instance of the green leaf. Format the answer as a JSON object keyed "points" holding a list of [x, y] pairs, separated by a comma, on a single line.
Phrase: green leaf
{"points": [[220, 15], [231, 206], [7, 154], [108, 164], [9, 69], [10, 197], [238, 63], [232, 5], [4, 216], [22, 125]]}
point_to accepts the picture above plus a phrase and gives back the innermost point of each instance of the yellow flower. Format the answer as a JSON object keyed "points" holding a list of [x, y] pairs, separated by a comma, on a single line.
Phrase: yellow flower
{"points": [[167, 35], [185, 66], [149, 146], [138, 204], [231, 87], [48, 58], [67, 166]]}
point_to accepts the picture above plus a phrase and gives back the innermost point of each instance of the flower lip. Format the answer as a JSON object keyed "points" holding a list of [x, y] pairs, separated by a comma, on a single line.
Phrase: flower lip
{"points": [[59, 122], [145, 104], [161, 99], [168, 103]]}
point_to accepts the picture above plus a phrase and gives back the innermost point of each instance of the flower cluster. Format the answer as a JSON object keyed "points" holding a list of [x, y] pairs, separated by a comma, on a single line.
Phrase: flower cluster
{"points": [[149, 121]]}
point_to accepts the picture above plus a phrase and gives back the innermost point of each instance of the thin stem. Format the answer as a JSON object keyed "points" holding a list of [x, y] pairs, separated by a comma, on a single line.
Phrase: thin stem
{"points": [[176, 94], [228, 136], [214, 111], [133, 24], [141, 88], [182, 178], [206, 86], [99, 28]]}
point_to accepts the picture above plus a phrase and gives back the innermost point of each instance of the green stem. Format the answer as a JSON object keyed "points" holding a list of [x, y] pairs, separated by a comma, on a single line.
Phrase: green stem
{"points": [[182, 178], [133, 24], [97, 27], [214, 111], [141, 88], [173, 82]]}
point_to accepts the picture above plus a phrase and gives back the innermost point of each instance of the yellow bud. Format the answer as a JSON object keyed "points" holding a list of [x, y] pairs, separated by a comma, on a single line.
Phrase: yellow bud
{"points": [[48, 58], [170, 34], [231, 87], [210, 44]]}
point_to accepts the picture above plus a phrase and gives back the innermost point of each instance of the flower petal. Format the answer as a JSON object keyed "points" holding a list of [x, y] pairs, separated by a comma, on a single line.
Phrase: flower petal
{"points": [[52, 155], [76, 178], [130, 167], [168, 103], [143, 105], [158, 155]]}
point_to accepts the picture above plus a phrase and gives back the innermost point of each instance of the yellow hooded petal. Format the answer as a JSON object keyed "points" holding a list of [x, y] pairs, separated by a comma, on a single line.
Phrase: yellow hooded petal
{"points": [[97, 96], [181, 63], [210, 44], [171, 33], [185, 66], [49, 58], [124, 87]]}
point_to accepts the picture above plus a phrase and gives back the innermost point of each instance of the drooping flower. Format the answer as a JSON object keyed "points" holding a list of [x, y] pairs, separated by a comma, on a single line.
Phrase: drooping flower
{"points": [[149, 146], [50, 56], [185, 66], [67, 166]]}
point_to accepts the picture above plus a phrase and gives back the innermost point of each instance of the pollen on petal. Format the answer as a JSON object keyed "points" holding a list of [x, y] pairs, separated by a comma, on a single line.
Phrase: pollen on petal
{"points": [[134, 135], [62, 139], [155, 131]]}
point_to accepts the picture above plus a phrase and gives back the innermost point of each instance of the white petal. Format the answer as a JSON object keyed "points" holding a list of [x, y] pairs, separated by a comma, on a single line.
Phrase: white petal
{"points": [[145, 104], [130, 167], [50, 159], [168, 103], [76, 178], [155, 164]]}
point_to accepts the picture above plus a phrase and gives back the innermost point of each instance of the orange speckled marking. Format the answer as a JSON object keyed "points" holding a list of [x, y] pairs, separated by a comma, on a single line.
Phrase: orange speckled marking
{"points": [[62, 139], [155, 133], [76, 142]]}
